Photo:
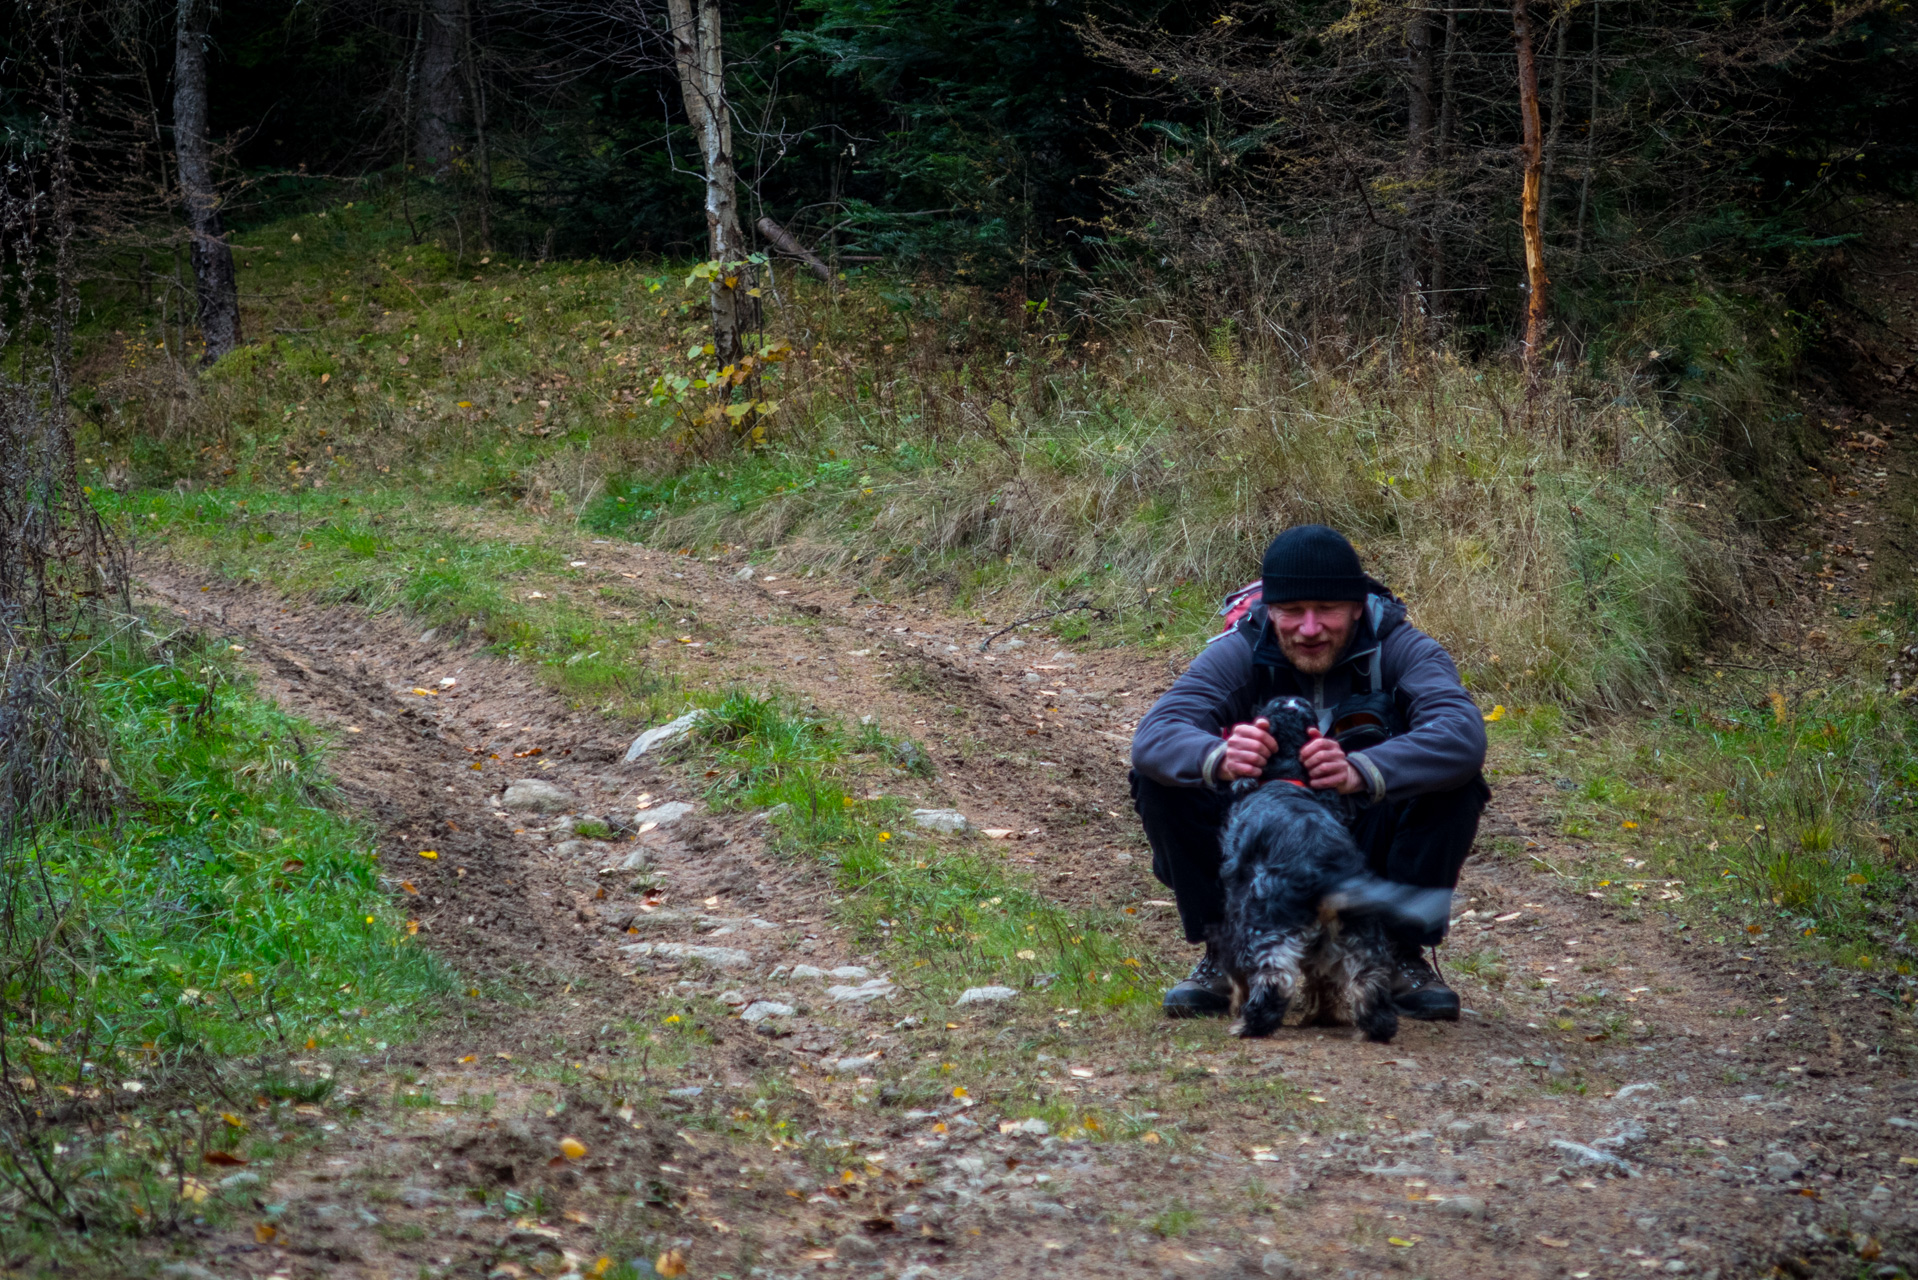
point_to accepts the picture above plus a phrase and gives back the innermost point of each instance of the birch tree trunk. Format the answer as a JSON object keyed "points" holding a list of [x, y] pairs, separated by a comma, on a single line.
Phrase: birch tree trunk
{"points": [[698, 56], [215, 285], [1532, 157]]}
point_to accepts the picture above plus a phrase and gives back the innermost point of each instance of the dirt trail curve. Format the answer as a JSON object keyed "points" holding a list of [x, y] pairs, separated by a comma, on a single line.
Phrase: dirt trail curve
{"points": [[1630, 1101]]}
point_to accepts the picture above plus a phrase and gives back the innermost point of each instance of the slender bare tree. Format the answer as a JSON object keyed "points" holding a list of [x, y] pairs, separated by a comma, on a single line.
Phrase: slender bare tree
{"points": [[216, 285], [441, 111], [1532, 159], [699, 57]]}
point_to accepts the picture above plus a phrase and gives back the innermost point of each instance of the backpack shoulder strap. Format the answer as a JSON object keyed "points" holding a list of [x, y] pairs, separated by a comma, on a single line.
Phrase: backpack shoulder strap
{"points": [[1374, 670]]}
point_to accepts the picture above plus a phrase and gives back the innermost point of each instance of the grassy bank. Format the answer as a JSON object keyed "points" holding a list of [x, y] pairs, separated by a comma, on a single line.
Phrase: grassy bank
{"points": [[930, 438], [223, 921]]}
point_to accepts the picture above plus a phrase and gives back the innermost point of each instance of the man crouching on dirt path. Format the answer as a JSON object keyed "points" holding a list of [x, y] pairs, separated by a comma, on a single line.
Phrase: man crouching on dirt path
{"points": [[1400, 735]]}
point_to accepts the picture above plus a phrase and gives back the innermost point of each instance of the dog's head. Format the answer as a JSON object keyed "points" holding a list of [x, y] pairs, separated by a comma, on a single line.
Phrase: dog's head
{"points": [[1289, 719]]}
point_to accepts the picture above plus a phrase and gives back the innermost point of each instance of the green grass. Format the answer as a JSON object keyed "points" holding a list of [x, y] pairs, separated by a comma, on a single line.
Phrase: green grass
{"points": [[1756, 809], [960, 917], [225, 917]]}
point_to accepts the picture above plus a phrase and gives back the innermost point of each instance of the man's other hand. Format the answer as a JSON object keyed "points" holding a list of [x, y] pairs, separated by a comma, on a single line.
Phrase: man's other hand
{"points": [[1247, 748], [1326, 768]]}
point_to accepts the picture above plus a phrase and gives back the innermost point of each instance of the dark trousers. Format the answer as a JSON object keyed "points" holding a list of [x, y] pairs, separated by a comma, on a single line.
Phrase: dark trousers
{"points": [[1422, 841]]}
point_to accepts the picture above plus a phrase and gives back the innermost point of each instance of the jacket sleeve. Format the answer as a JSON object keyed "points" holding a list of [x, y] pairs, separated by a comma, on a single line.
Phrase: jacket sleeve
{"points": [[1444, 747], [1179, 743]]}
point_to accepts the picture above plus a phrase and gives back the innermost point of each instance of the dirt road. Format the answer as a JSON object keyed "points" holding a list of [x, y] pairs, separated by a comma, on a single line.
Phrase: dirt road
{"points": [[1621, 1099]]}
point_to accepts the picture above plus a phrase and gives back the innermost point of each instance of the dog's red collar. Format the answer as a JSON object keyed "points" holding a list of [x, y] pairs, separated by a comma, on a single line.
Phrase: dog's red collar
{"points": [[1294, 781]]}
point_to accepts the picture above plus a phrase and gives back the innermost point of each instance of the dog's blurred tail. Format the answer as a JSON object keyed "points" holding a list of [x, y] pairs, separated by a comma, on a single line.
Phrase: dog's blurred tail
{"points": [[1425, 909]]}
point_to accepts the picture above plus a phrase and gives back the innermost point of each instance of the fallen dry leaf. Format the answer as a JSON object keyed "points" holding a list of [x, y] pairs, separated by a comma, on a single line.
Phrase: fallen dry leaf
{"points": [[224, 1158], [265, 1232], [195, 1190], [572, 1148], [1552, 1242], [672, 1263]]}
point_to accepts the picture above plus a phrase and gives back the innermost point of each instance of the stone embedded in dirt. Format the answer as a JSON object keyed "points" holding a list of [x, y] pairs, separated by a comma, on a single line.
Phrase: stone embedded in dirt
{"points": [[855, 1249], [665, 814], [1460, 1207], [760, 1010], [1627, 1090], [1278, 1266], [244, 1178], [801, 971], [689, 1091], [418, 1197], [1035, 1127], [732, 998], [574, 848], [637, 860], [985, 995], [718, 957], [949, 821], [537, 795], [865, 991], [1399, 1170], [1593, 1156], [666, 734], [1783, 1163], [851, 1066], [743, 574], [1014, 643], [852, 972], [1467, 1130]]}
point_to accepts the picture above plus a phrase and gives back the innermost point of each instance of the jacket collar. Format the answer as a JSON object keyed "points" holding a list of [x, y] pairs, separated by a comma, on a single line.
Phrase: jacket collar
{"points": [[1358, 650]]}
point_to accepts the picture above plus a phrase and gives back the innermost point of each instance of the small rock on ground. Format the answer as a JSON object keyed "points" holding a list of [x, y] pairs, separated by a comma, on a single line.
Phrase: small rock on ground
{"points": [[760, 1010], [671, 731], [1460, 1207], [855, 1249], [719, 957], [949, 821], [865, 991], [986, 995], [670, 812], [537, 795]]}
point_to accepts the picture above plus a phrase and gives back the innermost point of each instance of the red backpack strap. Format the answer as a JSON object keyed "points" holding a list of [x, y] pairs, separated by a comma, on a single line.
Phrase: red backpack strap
{"points": [[1238, 604]]}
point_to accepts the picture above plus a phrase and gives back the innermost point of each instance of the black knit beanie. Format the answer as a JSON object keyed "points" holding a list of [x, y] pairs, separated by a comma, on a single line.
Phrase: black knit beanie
{"points": [[1312, 562]]}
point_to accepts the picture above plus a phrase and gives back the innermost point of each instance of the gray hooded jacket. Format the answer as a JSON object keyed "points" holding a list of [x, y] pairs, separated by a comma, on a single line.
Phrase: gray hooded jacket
{"points": [[1180, 742]]}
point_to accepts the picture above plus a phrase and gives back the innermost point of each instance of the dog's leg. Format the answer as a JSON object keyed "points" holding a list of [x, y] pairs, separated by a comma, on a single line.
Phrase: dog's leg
{"points": [[1369, 992], [1271, 982]]}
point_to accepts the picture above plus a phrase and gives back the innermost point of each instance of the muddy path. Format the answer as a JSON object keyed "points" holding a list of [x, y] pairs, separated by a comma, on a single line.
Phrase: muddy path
{"points": [[1726, 1112]]}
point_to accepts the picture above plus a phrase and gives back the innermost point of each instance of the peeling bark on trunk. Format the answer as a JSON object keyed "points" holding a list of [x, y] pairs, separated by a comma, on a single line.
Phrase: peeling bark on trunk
{"points": [[1532, 156], [216, 286], [698, 56]]}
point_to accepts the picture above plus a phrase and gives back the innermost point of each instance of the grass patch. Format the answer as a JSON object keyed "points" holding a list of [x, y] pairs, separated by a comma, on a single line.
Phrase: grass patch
{"points": [[225, 918], [1761, 812], [924, 439], [960, 916]]}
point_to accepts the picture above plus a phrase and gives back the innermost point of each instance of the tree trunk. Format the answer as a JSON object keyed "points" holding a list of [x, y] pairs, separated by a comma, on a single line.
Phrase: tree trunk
{"points": [[1419, 134], [1591, 142], [1532, 156], [216, 286], [1559, 77], [483, 159], [702, 83], [1442, 150], [787, 243], [441, 100]]}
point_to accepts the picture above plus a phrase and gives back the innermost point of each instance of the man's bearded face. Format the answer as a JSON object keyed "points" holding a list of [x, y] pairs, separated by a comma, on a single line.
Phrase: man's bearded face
{"points": [[1313, 633]]}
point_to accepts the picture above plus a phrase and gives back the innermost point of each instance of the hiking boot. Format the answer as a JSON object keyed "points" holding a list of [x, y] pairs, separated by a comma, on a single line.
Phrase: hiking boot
{"points": [[1204, 993], [1420, 993]]}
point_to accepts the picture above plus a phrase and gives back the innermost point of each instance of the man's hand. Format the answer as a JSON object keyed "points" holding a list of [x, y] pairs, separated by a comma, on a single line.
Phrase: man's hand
{"points": [[1326, 767], [1247, 748]]}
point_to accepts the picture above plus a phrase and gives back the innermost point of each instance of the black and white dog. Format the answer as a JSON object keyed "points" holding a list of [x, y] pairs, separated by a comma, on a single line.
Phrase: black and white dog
{"points": [[1304, 920]]}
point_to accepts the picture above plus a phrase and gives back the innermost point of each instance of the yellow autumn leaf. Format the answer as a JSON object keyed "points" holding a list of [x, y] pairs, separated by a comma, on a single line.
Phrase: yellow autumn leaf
{"points": [[1028, 955], [195, 1190], [671, 1263], [959, 1091], [1496, 714], [572, 1148], [431, 855]]}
